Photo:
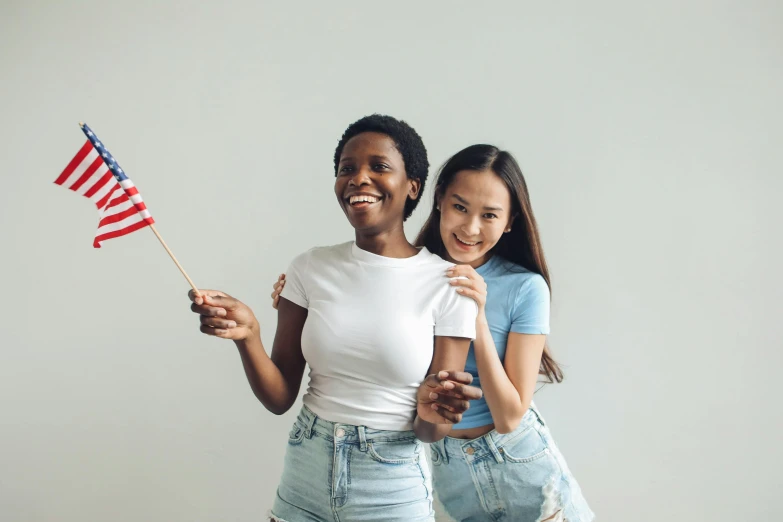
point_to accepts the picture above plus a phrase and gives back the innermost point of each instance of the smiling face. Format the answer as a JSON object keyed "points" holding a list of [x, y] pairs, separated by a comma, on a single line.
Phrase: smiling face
{"points": [[475, 212], [372, 185]]}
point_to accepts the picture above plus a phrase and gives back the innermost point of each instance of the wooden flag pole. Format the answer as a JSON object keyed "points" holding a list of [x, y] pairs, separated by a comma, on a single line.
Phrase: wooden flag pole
{"points": [[193, 286]]}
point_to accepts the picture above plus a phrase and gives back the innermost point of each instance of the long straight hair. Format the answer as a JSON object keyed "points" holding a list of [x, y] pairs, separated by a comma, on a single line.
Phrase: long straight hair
{"points": [[522, 245]]}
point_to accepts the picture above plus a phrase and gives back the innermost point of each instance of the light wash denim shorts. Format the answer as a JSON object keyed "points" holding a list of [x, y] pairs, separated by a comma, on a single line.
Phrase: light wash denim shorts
{"points": [[342, 473], [520, 476]]}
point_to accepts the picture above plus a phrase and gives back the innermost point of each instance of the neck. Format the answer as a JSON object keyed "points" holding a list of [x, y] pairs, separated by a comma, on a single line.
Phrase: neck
{"points": [[389, 243], [475, 263]]}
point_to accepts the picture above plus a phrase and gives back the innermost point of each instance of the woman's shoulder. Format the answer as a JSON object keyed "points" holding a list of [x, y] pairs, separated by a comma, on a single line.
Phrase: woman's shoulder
{"points": [[323, 254], [517, 278]]}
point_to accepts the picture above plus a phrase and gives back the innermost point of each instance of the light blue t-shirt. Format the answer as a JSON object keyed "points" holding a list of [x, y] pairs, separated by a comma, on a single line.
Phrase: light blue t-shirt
{"points": [[517, 301]]}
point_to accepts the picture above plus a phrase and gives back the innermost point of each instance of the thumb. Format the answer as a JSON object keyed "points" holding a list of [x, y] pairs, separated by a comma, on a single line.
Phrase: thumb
{"points": [[221, 300], [431, 381]]}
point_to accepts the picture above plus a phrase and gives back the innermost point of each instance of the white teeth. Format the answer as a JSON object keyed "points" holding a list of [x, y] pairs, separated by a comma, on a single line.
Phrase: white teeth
{"points": [[467, 242], [360, 199]]}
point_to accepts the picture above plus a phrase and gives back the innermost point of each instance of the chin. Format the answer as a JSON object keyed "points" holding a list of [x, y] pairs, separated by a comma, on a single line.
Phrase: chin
{"points": [[460, 257]]}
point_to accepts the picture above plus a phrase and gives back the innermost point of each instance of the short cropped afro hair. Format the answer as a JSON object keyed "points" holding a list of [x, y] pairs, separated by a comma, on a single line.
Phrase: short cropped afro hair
{"points": [[407, 141]]}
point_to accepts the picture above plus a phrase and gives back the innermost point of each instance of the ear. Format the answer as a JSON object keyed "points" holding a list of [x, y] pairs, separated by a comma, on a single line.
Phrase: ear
{"points": [[415, 188], [510, 222]]}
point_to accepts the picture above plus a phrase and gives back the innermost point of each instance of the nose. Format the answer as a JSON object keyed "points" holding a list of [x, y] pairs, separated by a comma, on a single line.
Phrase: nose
{"points": [[360, 177], [471, 227]]}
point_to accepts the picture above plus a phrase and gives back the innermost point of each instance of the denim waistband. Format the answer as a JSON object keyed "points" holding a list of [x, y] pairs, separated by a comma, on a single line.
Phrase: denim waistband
{"points": [[490, 444], [348, 433]]}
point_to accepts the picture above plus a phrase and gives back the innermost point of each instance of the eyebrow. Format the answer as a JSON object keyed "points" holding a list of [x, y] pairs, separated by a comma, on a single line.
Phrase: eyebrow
{"points": [[465, 202], [376, 158]]}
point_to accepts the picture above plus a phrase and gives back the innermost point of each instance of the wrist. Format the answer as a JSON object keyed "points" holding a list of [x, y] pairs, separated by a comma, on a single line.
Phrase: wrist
{"points": [[253, 334], [254, 329]]}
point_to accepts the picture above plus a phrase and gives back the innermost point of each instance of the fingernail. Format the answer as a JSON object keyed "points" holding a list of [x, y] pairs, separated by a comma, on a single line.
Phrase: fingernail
{"points": [[460, 290], [443, 375], [448, 385], [433, 395], [232, 324], [434, 406]]}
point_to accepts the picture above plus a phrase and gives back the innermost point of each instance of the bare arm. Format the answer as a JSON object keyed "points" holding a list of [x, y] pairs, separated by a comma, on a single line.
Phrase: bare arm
{"points": [[432, 423], [508, 389], [275, 381]]}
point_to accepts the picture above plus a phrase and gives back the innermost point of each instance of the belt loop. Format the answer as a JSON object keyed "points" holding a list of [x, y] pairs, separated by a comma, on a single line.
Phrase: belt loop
{"points": [[492, 448], [538, 414], [362, 438], [310, 423], [441, 444]]}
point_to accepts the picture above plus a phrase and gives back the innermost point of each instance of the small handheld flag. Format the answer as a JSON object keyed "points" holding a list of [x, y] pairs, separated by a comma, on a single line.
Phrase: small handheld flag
{"points": [[95, 174]]}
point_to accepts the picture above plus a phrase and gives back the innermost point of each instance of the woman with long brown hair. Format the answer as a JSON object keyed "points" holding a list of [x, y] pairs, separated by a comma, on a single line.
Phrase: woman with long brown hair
{"points": [[500, 462]]}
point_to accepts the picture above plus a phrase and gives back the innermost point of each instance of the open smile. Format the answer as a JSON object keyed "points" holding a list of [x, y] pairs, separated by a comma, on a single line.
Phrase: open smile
{"points": [[466, 245], [362, 201]]}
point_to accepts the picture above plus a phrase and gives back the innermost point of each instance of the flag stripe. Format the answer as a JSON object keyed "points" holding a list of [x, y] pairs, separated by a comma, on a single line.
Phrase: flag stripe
{"points": [[107, 197], [118, 199], [98, 177], [83, 152], [87, 174], [104, 193], [116, 209], [107, 178], [119, 225], [119, 216], [80, 168], [118, 233]]}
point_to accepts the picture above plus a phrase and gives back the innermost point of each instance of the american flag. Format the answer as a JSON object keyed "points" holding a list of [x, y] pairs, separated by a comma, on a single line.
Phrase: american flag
{"points": [[95, 174]]}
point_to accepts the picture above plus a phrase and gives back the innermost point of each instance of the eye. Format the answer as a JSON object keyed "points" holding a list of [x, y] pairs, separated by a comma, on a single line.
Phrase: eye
{"points": [[460, 208], [345, 169], [489, 215], [381, 166]]}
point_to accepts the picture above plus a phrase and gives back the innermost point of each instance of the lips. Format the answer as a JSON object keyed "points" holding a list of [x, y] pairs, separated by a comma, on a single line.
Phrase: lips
{"points": [[465, 245], [362, 200]]}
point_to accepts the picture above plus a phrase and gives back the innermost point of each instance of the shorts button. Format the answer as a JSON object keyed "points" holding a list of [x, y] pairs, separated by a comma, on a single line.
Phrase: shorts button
{"points": [[340, 432], [470, 451]]}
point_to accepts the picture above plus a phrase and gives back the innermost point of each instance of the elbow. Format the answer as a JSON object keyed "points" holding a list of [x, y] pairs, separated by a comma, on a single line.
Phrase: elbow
{"points": [[274, 407], [510, 422], [507, 426], [277, 410]]}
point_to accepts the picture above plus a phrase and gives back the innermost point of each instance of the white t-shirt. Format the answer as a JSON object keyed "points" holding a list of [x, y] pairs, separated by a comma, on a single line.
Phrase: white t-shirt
{"points": [[368, 338]]}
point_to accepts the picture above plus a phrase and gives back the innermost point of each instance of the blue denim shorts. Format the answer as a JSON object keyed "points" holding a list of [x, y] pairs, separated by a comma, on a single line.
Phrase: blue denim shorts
{"points": [[343, 473], [519, 476]]}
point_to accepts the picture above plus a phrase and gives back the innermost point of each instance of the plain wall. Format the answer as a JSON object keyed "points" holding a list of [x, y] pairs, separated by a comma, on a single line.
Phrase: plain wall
{"points": [[650, 135]]}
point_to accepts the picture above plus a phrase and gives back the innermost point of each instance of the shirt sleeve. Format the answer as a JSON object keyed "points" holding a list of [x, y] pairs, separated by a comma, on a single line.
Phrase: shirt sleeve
{"points": [[294, 289], [458, 317], [531, 307]]}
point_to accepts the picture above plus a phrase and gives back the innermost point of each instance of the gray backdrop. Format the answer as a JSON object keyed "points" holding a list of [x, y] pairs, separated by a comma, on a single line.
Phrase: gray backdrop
{"points": [[650, 134]]}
